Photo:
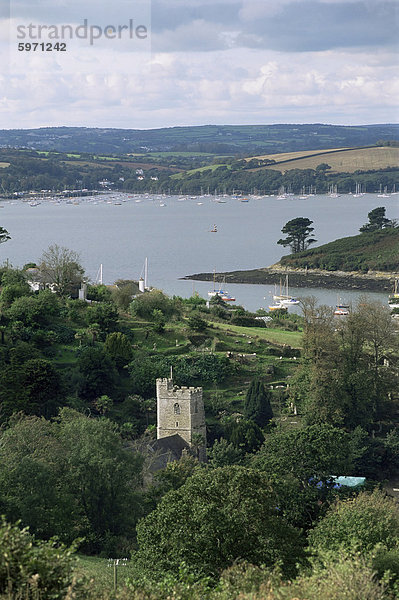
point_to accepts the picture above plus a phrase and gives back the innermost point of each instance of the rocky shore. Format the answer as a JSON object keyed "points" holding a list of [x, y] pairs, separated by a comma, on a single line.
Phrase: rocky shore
{"points": [[371, 281]]}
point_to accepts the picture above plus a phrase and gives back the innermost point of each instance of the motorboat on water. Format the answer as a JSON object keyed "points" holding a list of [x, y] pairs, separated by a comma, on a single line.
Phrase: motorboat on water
{"points": [[342, 310], [289, 301]]}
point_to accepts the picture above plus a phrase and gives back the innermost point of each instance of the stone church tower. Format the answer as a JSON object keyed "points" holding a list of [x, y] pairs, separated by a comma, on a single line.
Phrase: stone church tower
{"points": [[180, 410]]}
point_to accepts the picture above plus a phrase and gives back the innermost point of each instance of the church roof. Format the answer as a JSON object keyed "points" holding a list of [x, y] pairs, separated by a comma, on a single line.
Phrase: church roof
{"points": [[167, 449]]}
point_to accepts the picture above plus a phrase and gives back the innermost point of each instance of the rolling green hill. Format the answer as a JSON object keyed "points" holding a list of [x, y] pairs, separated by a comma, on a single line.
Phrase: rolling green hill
{"points": [[372, 251], [215, 139]]}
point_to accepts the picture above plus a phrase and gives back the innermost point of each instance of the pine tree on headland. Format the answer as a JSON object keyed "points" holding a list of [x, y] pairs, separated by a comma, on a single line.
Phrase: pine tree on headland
{"points": [[257, 406]]}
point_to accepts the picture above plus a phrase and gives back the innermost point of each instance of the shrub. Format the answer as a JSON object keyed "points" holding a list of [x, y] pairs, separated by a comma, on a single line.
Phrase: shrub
{"points": [[32, 568]]}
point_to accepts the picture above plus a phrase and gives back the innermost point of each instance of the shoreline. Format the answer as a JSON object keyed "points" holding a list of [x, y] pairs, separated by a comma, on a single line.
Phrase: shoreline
{"points": [[371, 282]]}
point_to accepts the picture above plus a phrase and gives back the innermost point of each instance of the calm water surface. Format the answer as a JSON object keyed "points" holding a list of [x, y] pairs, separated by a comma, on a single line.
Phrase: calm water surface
{"points": [[177, 239]]}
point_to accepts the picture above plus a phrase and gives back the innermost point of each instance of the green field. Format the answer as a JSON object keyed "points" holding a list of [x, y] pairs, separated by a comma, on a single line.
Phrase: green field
{"points": [[340, 161], [100, 572], [274, 336], [283, 156], [198, 170]]}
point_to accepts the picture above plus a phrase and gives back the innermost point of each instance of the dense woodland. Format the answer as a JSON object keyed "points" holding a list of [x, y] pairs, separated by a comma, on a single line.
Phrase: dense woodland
{"points": [[291, 401]]}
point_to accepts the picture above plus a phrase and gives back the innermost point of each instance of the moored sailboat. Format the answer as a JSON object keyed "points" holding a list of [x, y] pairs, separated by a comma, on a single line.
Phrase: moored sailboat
{"points": [[220, 291], [284, 296]]}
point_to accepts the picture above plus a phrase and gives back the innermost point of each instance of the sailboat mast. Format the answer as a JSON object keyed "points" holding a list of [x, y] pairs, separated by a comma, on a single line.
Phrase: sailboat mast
{"points": [[101, 274]]}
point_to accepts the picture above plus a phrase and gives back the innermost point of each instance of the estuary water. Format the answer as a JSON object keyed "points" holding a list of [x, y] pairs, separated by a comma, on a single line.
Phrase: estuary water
{"points": [[175, 233]]}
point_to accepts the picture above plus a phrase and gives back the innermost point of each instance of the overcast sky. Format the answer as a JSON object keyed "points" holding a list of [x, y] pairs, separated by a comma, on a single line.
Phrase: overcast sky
{"points": [[203, 61]]}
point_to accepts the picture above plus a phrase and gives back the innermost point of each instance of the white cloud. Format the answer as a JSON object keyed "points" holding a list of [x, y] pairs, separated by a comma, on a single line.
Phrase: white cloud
{"points": [[229, 71]]}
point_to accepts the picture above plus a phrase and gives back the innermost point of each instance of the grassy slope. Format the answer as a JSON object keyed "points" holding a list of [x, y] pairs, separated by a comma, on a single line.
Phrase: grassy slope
{"points": [[348, 161], [341, 160], [282, 156], [274, 336], [374, 251]]}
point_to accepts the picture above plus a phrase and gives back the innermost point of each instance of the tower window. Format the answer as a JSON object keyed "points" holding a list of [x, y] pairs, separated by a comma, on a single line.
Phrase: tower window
{"points": [[177, 424], [196, 406], [176, 409]]}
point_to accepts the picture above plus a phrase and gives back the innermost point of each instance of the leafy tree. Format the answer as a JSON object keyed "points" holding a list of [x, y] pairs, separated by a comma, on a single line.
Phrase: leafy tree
{"points": [[322, 168], [377, 220], [257, 405], [10, 292], [99, 293], [298, 233], [103, 315], [33, 387], [343, 379], [42, 387], [301, 462], [207, 368], [73, 477], [32, 568], [196, 323], [4, 235], [123, 293], [358, 523], [245, 435], [103, 477], [172, 477], [34, 311], [312, 452], [223, 454], [158, 319], [214, 519], [144, 304], [23, 351], [119, 348], [61, 269], [143, 371], [99, 373], [32, 464], [11, 276]]}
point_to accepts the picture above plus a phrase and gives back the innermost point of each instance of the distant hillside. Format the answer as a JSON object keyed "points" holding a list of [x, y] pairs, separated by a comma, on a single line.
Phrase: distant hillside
{"points": [[341, 161], [373, 251], [237, 139]]}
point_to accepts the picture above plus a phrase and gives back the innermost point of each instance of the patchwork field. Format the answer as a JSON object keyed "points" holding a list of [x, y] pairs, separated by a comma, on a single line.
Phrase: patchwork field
{"points": [[348, 160]]}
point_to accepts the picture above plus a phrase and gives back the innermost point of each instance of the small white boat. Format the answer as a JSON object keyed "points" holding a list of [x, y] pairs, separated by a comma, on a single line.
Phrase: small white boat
{"points": [[289, 301]]}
